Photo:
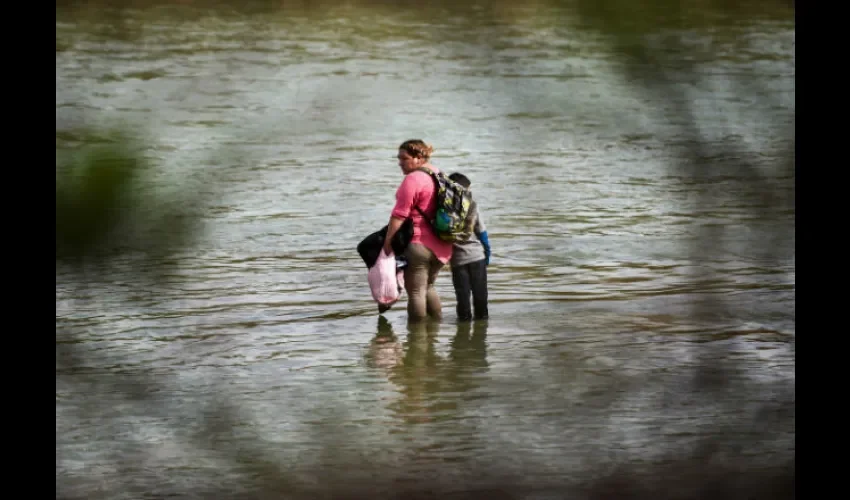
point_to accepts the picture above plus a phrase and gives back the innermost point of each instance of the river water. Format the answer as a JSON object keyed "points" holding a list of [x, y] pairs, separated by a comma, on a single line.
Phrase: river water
{"points": [[620, 282]]}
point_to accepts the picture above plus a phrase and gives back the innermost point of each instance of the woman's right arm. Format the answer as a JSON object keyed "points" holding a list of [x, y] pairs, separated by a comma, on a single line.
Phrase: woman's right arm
{"points": [[393, 227], [404, 196]]}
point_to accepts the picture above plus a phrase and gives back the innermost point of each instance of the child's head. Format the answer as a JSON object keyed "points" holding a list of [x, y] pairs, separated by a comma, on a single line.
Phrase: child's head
{"points": [[460, 179]]}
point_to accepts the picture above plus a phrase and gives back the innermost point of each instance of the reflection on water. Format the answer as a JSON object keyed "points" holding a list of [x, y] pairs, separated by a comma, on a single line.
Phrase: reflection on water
{"points": [[385, 350], [429, 384]]}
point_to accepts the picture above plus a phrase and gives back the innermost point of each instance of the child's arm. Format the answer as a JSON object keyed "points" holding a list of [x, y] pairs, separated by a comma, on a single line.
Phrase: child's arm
{"points": [[485, 241], [481, 231]]}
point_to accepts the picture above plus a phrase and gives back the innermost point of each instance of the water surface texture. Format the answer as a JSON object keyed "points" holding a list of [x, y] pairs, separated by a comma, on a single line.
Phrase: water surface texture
{"points": [[637, 309]]}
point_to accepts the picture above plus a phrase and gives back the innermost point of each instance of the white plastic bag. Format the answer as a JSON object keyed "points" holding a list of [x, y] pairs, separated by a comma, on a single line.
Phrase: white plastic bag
{"points": [[384, 280]]}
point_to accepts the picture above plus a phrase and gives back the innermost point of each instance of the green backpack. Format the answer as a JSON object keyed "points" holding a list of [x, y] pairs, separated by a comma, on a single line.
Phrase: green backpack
{"points": [[453, 201]]}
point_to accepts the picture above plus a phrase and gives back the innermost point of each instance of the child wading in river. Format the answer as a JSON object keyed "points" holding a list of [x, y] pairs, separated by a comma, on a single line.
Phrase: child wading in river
{"points": [[470, 258]]}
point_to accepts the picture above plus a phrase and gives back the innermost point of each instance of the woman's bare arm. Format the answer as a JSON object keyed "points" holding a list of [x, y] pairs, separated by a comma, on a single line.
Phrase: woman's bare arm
{"points": [[394, 226]]}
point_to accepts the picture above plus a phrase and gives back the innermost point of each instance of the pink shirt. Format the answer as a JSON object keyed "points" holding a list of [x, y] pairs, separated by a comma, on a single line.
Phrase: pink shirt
{"points": [[418, 189]]}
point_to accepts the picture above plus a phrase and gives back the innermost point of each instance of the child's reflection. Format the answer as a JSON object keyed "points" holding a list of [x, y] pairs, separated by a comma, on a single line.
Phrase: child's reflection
{"points": [[469, 347]]}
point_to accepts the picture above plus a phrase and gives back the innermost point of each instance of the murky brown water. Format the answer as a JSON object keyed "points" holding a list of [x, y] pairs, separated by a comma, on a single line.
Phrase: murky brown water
{"points": [[261, 358]]}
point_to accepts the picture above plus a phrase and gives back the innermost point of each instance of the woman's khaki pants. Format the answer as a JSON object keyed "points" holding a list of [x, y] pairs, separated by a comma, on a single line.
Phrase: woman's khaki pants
{"points": [[419, 276]]}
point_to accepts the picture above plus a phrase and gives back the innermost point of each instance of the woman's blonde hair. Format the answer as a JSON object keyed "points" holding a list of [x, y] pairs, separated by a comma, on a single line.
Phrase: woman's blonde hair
{"points": [[417, 148]]}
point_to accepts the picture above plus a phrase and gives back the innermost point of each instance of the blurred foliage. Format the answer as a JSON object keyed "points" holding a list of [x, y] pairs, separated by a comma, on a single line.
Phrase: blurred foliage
{"points": [[111, 206], [613, 16], [95, 191]]}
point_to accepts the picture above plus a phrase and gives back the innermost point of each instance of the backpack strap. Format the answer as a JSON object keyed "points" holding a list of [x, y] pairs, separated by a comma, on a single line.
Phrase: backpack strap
{"points": [[423, 214], [433, 176]]}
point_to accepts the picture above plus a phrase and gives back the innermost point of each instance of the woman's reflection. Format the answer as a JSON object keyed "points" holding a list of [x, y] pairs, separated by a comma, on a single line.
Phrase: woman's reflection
{"points": [[431, 386], [418, 374]]}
